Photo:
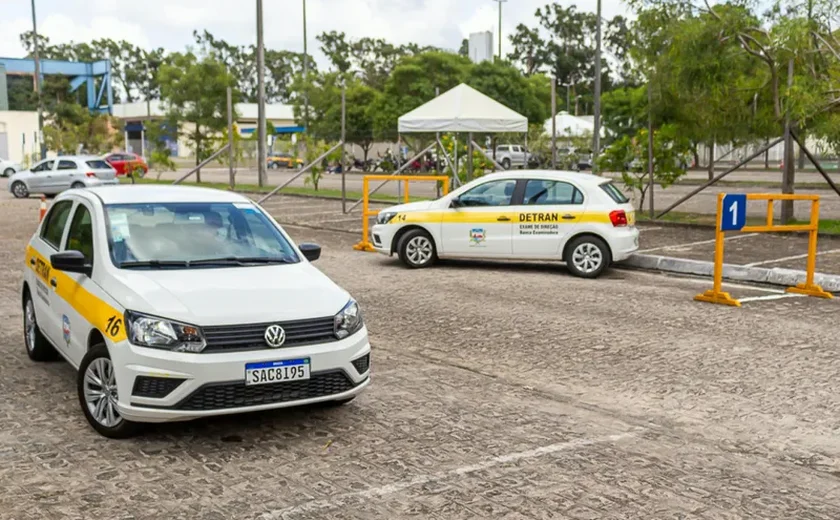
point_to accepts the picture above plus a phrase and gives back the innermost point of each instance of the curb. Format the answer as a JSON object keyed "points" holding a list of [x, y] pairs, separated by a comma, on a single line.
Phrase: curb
{"points": [[731, 272]]}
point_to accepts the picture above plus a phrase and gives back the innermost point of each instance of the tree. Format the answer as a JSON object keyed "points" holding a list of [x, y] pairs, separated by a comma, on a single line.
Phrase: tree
{"points": [[195, 94], [335, 47], [464, 50], [504, 83], [528, 49], [72, 129]]}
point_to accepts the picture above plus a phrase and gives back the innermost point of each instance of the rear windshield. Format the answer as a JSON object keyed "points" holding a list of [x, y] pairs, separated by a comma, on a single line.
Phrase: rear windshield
{"points": [[614, 193], [99, 165]]}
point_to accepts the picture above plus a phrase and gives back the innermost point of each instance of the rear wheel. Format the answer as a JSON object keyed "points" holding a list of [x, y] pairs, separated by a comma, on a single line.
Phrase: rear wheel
{"points": [[19, 190], [416, 249], [97, 388], [587, 256], [8, 172], [77, 185], [37, 346]]}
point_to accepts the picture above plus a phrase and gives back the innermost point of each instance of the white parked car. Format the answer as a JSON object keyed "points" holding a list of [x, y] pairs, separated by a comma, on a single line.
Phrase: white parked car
{"points": [[175, 303], [52, 176], [8, 168], [579, 218], [511, 155]]}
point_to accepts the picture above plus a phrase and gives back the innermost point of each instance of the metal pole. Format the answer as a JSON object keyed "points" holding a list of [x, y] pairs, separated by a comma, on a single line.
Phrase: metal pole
{"points": [[790, 167], [397, 172], [260, 97], [596, 139], [650, 150], [568, 97], [201, 164], [470, 157], [554, 123], [500, 2], [230, 136], [305, 75], [343, 148], [143, 141], [43, 144], [482, 152], [814, 161]]}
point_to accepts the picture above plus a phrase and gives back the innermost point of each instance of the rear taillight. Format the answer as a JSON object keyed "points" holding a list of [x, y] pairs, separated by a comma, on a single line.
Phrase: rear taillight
{"points": [[90, 174], [618, 218]]}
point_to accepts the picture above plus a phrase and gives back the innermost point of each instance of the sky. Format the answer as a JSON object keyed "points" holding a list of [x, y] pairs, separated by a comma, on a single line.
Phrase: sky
{"points": [[170, 23]]}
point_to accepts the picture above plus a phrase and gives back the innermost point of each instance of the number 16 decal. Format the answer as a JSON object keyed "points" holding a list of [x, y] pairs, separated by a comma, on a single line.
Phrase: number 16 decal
{"points": [[113, 327]]}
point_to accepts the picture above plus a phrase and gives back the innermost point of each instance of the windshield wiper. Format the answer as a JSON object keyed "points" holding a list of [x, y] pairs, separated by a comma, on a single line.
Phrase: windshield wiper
{"points": [[242, 260], [155, 263]]}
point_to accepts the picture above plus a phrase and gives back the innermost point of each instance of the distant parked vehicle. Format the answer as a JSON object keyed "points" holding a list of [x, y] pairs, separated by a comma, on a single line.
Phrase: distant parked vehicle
{"points": [[124, 162], [8, 168], [52, 176], [511, 155], [283, 160]]}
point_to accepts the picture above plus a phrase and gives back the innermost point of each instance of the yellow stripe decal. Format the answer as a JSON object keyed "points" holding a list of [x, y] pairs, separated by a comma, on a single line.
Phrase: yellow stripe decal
{"points": [[514, 217], [102, 316]]}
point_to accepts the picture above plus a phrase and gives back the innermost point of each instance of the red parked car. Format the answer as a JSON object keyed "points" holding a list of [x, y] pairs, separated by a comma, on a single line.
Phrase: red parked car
{"points": [[124, 162]]}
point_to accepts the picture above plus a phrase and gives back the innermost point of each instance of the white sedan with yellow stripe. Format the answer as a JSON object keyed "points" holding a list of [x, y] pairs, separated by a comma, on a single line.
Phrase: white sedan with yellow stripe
{"points": [[175, 303], [581, 219]]}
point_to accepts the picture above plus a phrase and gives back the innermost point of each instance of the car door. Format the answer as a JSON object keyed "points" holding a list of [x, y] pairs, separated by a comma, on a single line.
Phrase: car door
{"points": [[481, 223], [44, 282], [66, 172], [116, 161], [41, 176], [71, 325], [516, 155], [550, 213]]}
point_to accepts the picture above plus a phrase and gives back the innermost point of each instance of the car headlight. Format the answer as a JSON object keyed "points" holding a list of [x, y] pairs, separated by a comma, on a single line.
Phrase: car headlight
{"points": [[154, 332], [349, 320], [383, 217]]}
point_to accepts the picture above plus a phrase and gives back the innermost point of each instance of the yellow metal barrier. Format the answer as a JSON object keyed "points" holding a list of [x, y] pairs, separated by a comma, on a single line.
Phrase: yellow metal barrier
{"points": [[809, 288], [365, 244]]}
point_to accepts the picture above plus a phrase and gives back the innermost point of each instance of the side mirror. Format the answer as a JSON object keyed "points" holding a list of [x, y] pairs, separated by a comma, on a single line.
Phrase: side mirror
{"points": [[455, 202], [311, 252], [71, 262]]}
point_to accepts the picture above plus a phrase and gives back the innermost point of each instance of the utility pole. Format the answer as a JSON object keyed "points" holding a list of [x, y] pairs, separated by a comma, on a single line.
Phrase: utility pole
{"points": [[500, 2], [789, 166], [260, 96], [305, 75], [343, 147], [230, 136], [43, 144], [553, 123], [596, 139], [650, 150]]}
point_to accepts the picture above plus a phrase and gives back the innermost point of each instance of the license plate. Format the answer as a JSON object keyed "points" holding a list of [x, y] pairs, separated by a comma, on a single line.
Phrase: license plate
{"points": [[276, 371]]}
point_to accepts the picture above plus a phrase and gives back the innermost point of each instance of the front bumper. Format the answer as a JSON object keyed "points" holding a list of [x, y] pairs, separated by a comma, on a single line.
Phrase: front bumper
{"points": [[208, 384], [381, 236], [624, 242]]}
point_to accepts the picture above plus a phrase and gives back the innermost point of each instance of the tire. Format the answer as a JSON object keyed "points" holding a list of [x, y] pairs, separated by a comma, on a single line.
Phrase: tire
{"points": [[37, 345], [8, 172], [506, 163], [97, 366], [77, 185], [19, 190], [274, 166], [587, 256], [416, 249]]}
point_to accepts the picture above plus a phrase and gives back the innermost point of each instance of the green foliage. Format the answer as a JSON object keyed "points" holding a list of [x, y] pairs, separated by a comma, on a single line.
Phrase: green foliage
{"points": [[196, 99], [314, 149], [629, 156], [480, 163], [504, 83], [71, 128]]}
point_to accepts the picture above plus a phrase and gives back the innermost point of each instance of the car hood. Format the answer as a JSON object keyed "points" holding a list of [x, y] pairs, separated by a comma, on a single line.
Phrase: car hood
{"points": [[422, 205], [231, 295]]}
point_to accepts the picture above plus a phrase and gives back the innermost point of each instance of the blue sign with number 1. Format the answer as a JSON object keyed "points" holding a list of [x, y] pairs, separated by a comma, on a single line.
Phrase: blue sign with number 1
{"points": [[734, 212]]}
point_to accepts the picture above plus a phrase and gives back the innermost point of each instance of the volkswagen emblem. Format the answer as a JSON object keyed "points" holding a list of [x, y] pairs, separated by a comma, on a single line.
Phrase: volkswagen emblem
{"points": [[275, 336]]}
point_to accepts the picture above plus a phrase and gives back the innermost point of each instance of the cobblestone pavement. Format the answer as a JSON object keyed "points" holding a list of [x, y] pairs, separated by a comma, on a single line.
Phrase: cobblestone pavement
{"points": [[499, 391]]}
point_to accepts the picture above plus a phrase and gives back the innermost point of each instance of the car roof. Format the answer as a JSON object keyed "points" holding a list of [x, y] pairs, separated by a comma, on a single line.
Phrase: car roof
{"points": [[144, 194], [560, 175]]}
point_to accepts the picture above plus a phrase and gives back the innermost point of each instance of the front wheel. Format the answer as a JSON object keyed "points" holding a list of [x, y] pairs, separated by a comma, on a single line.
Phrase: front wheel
{"points": [[8, 172], [19, 190], [416, 249], [587, 257], [506, 163], [77, 185], [97, 388]]}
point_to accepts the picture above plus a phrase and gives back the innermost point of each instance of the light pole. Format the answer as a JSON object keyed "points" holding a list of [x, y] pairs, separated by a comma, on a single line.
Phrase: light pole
{"points": [[305, 75], [500, 26], [43, 144], [261, 177], [568, 96], [596, 139]]}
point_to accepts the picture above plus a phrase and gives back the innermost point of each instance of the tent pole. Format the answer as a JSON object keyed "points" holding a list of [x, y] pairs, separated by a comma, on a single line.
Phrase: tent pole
{"points": [[470, 157], [489, 158]]}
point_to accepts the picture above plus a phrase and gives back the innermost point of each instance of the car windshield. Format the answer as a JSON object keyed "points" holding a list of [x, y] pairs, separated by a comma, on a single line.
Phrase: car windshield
{"points": [[184, 235]]}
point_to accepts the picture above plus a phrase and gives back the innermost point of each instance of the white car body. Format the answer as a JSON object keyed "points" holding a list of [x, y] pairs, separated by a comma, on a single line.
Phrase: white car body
{"points": [[512, 229], [8, 168], [76, 310], [52, 176]]}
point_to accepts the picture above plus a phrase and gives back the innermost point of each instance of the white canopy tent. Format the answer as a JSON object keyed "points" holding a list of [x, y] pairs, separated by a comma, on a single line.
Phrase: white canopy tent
{"points": [[463, 109], [567, 125]]}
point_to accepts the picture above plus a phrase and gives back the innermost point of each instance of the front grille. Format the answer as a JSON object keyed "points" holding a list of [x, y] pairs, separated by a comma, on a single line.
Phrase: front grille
{"points": [[157, 387], [252, 336], [362, 364], [217, 396]]}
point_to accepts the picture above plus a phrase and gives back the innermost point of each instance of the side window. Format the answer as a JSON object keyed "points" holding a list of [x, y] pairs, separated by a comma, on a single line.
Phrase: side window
{"points": [[54, 222], [502, 149], [493, 193], [80, 235], [545, 192], [44, 166], [66, 165]]}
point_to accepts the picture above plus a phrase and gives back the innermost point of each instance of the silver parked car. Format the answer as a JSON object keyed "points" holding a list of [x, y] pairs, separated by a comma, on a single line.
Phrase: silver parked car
{"points": [[52, 176]]}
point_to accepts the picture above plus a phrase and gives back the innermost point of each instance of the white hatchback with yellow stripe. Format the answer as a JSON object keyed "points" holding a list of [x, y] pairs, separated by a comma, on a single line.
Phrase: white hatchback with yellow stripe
{"points": [[175, 303], [581, 219]]}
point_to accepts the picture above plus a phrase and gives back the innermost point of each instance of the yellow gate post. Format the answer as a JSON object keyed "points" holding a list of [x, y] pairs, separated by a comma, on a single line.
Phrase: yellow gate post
{"points": [[364, 244], [809, 288]]}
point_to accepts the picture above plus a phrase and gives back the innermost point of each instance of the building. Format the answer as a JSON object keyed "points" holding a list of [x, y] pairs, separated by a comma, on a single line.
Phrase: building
{"points": [[481, 46]]}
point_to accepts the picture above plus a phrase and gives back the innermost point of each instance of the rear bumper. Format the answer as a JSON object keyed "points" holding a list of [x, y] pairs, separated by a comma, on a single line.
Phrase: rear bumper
{"points": [[624, 242], [91, 182]]}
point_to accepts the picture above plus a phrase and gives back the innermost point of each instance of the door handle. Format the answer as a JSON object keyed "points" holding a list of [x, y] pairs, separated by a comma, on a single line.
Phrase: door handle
{"points": [[53, 282], [32, 261], [568, 217], [503, 219]]}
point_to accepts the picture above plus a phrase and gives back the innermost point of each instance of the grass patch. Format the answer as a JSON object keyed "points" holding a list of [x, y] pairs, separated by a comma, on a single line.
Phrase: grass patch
{"points": [[293, 190], [753, 184]]}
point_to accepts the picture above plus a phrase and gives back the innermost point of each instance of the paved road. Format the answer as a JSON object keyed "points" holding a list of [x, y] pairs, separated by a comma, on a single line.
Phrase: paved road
{"points": [[499, 391]]}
